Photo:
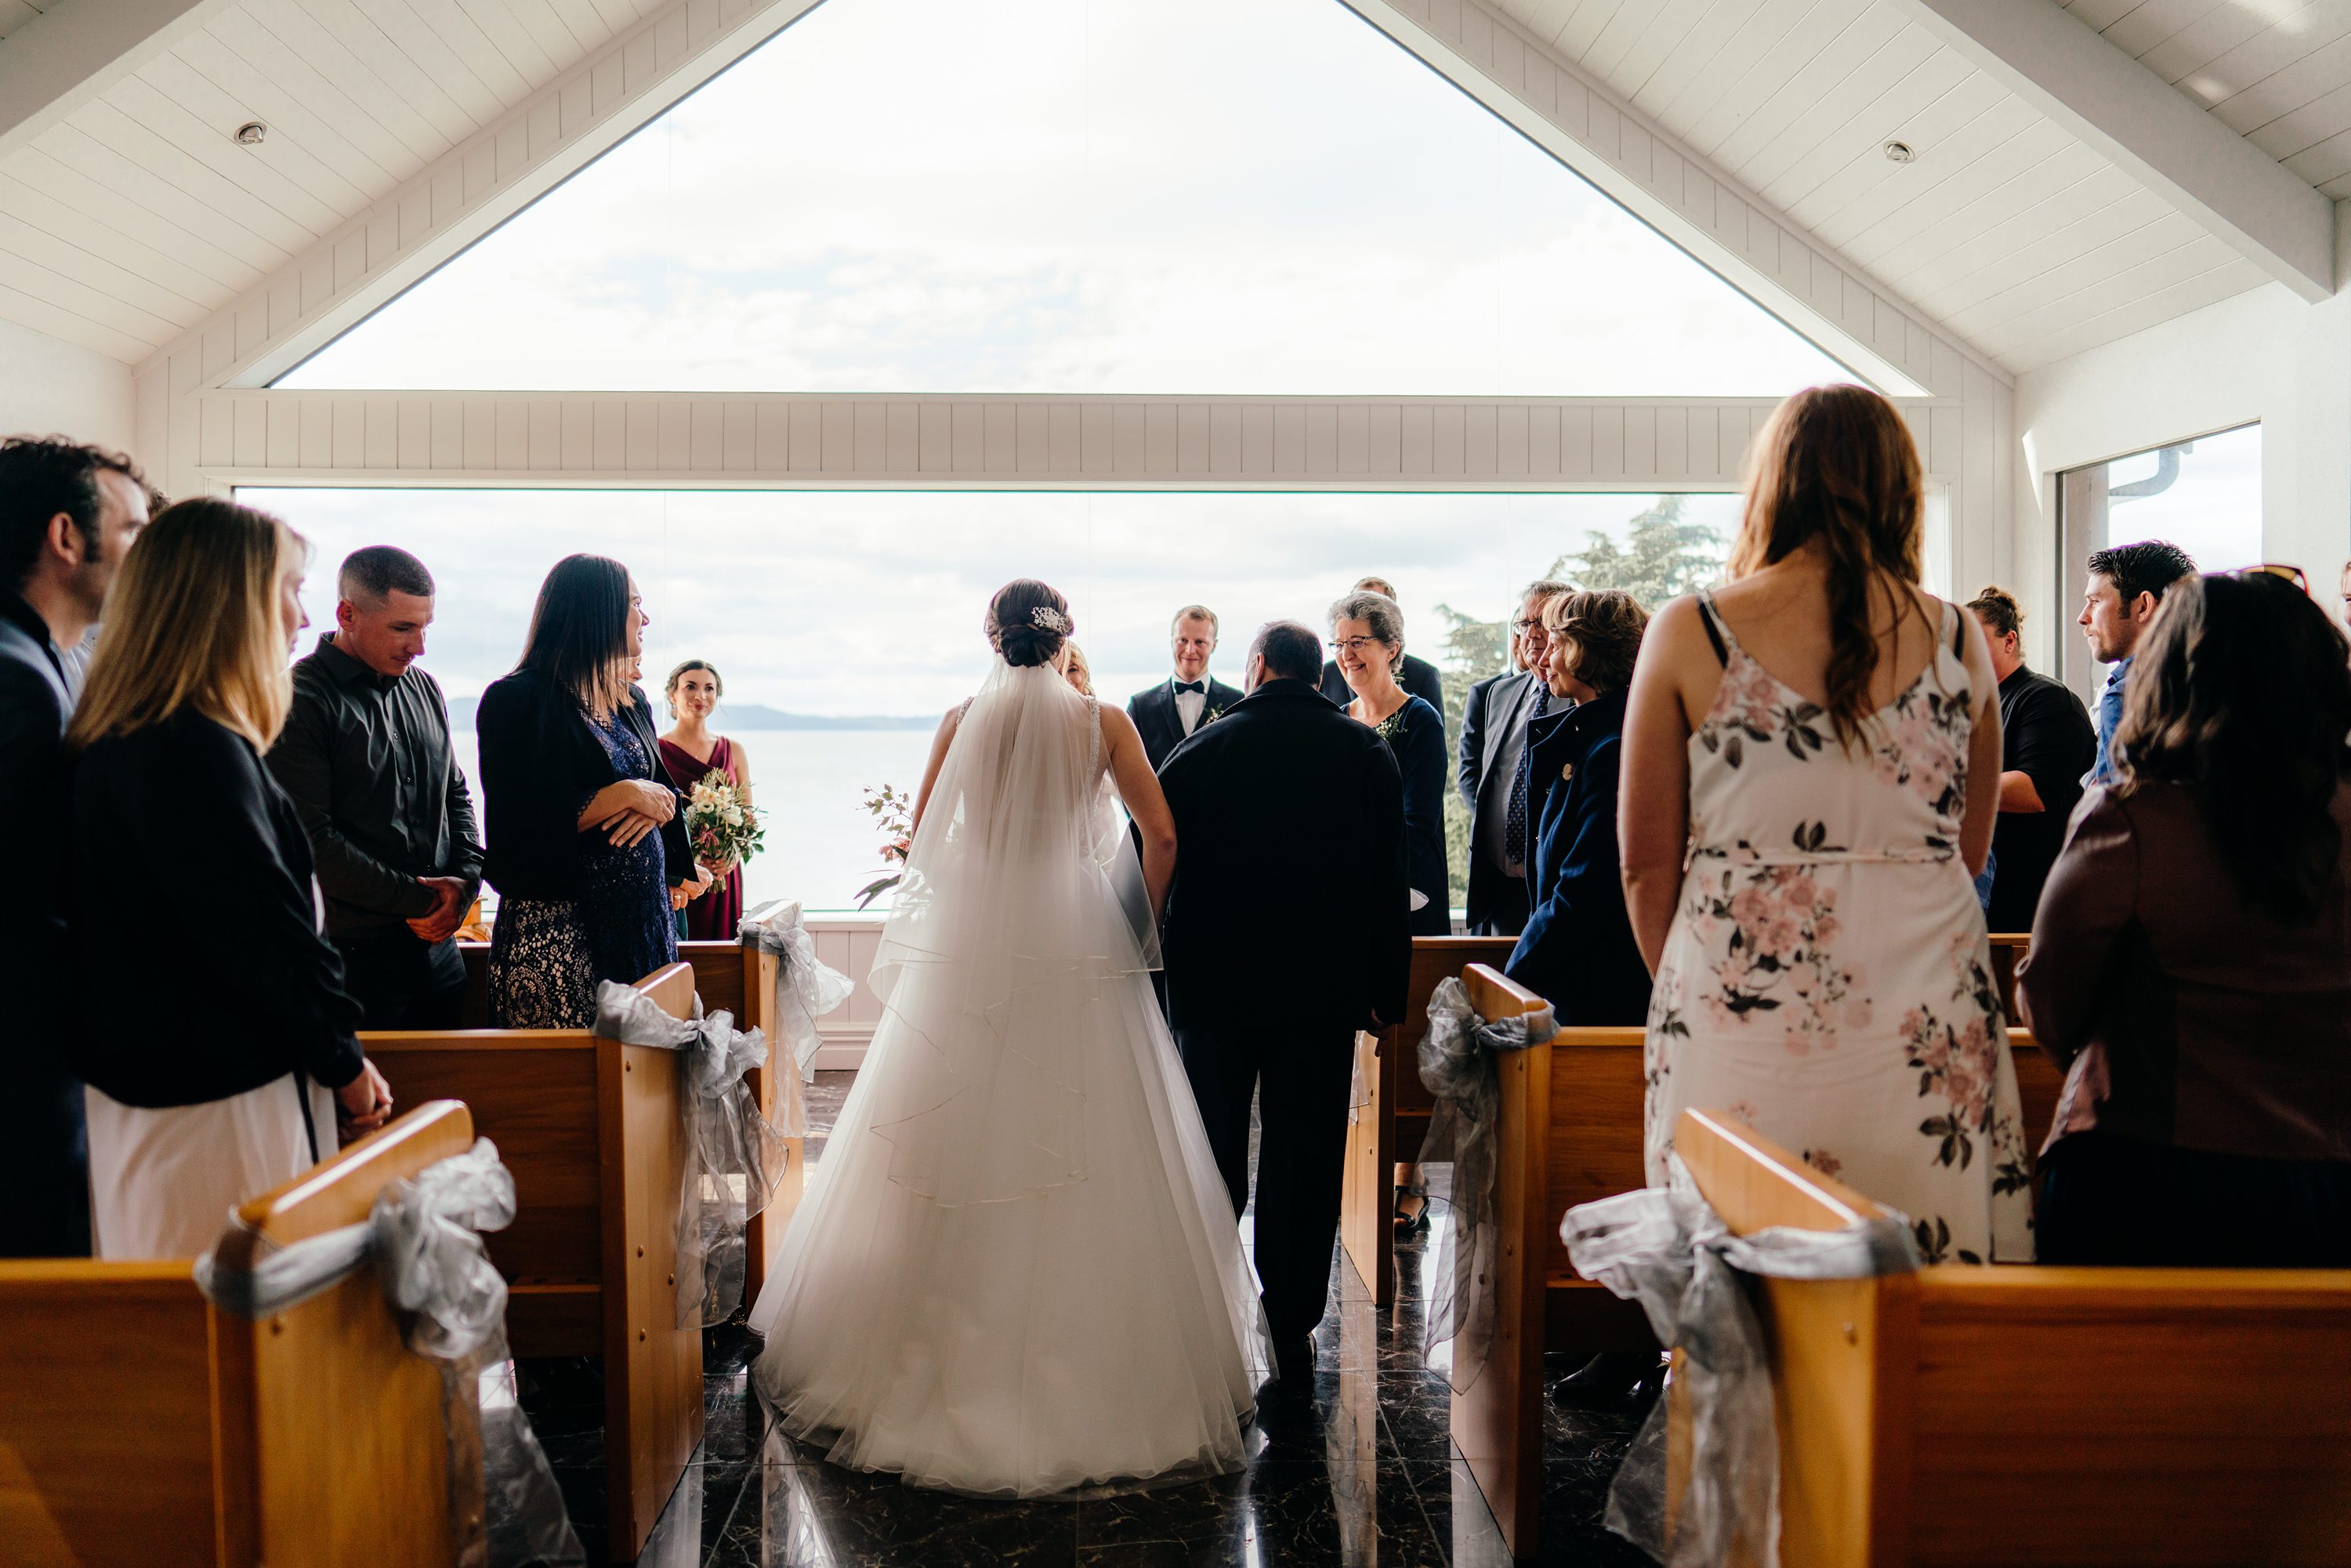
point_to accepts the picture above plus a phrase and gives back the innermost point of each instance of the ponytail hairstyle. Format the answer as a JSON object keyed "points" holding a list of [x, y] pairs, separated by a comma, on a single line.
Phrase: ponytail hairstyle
{"points": [[1027, 621], [1835, 465], [192, 621], [2241, 691]]}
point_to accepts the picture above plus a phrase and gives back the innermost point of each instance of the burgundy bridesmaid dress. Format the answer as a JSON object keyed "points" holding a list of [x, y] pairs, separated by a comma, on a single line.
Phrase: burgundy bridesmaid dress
{"points": [[717, 915]]}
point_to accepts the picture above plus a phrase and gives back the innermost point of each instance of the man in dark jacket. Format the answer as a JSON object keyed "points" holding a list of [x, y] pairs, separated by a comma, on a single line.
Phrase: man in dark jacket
{"points": [[1493, 777], [1287, 930], [1170, 713], [366, 759], [68, 515]]}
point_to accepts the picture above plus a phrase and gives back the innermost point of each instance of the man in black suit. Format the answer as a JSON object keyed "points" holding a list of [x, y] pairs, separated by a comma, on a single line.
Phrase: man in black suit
{"points": [[1492, 774], [1166, 714], [1287, 930], [1417, 676], [68, 514]]}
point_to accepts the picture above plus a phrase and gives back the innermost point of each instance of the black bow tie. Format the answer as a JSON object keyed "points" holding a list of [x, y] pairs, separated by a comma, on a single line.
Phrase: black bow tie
{"points": [[1200, 686]]}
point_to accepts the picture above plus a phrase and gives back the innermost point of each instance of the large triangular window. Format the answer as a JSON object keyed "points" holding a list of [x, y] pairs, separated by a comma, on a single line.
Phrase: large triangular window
{"points": [[1219, 196]]}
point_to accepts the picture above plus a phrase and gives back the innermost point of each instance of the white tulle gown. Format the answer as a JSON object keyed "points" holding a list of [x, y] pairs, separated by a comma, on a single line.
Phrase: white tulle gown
{"points": [[1015, 1271]]}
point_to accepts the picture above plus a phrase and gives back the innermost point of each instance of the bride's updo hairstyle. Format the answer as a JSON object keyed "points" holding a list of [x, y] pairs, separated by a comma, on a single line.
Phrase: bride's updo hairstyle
{"points": [[1027, 621]]}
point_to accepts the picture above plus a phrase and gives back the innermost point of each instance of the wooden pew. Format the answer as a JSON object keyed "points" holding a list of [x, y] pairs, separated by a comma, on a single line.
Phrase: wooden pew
{"points": [[141, 1426], [1388, 1129], [733, 978], [594, 1133], [2007, 949], [2031, 1416], [1572, 1127]]}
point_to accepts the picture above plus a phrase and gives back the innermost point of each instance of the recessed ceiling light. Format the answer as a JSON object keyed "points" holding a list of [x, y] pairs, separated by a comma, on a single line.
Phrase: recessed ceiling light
{"points": [[1900, 152], [250, 133]]}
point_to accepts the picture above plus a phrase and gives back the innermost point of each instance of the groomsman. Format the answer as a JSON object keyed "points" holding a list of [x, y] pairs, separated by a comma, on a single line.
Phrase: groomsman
{"points": [[1168, 714], [1493, 776], [1289, 928], [68, 515], [1418, 677]]}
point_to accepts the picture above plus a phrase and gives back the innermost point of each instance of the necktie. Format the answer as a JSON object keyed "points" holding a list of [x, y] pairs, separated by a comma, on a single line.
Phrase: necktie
{"points": [[1200, 686], [1514, 821]]}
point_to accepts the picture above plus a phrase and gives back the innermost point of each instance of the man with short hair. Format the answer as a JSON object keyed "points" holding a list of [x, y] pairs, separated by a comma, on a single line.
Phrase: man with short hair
{"points": [[1287, 929], [1416, 675], [367, 761], [68, 514], [1168, 714], [2127, 584], [1493, 775], [2046, 746]]}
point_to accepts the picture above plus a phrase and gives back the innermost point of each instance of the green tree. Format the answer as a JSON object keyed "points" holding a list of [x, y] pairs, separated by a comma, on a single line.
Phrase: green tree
{"points": [[1663, 558]]}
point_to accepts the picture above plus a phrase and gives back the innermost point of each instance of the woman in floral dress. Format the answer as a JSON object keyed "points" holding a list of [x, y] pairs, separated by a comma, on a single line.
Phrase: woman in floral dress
{"points": [[1800, 838]]}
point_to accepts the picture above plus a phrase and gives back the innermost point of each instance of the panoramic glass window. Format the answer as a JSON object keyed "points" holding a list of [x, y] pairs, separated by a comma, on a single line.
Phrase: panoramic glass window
{"points": [[2204, 496], [1242, 196], [844, 623]]}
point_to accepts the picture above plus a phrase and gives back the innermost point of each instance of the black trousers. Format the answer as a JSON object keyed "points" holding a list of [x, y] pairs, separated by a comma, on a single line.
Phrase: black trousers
{"points": [[401, 983], [1505, 907], [1301, 1082], [45, 1158], [2111, 1200]]}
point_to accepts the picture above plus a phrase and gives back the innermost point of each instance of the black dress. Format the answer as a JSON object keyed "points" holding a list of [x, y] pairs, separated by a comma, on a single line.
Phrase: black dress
{"points": [[605, 916], [1416, 733]]}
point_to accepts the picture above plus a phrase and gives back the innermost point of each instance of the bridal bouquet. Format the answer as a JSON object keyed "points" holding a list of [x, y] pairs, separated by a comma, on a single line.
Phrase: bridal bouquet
{"points": [[720, 823], [889, 809]]}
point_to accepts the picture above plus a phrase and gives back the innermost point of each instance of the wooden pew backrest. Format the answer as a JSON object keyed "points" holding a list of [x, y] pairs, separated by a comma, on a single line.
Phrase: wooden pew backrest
{"points": [[2044, 1415], [141, 1426]]}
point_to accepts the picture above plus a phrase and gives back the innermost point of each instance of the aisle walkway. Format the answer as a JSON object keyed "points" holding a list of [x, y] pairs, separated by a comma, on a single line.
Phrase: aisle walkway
{"points": [[1359, 1472]]}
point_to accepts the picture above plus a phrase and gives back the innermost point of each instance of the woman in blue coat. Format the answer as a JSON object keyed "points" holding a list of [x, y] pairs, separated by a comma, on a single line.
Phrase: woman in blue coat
{"points": [[1577, 950]]}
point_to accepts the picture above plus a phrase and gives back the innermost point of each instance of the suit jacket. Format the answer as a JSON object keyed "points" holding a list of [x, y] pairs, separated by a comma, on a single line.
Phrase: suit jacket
{"points": [[1495, 707], [1418, 677], [1578, 950], [1291, 910], [1152, 710]]}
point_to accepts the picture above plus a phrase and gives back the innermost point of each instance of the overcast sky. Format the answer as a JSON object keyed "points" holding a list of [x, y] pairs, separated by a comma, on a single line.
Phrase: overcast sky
{"points": [[1243, 196], [870, 603]]}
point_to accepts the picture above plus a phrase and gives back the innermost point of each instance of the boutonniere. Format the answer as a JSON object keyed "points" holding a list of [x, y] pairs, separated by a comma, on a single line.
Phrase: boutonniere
{"points": [[1211, 716], [1567, 773], [1387, 728]]}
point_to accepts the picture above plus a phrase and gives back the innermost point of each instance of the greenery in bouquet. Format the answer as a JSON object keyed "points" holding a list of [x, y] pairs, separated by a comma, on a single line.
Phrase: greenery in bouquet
{"points": [[720, 824], [893, 813]]}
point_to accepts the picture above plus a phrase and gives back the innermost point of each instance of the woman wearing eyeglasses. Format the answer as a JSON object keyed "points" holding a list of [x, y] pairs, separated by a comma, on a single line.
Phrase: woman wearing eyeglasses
{"points": [[1367, 643], [2188, 957]]}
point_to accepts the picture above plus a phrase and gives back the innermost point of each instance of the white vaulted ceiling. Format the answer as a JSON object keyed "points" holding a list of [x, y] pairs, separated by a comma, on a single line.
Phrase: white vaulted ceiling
{"points": [[2277, 72], [138, 215], [2008, 229]]}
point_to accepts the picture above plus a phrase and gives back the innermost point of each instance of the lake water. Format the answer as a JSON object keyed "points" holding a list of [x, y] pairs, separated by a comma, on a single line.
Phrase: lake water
{"points": [[808, 783]]}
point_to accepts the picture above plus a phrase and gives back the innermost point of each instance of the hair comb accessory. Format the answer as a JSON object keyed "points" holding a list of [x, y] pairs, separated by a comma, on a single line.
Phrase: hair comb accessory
{"points": [[1049, 619]]}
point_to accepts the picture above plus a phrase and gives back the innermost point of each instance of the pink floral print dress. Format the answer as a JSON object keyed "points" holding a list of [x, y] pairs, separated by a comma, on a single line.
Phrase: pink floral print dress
{"points": [[1826, 979]]}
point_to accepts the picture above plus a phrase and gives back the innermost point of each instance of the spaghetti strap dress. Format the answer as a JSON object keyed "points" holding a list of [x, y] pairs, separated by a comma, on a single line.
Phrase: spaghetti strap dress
{"points": [[1826, 978]]}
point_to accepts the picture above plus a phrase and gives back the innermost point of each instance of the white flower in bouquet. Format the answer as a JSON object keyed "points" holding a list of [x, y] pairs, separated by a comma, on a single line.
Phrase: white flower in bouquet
{"points": [[720, 824]]}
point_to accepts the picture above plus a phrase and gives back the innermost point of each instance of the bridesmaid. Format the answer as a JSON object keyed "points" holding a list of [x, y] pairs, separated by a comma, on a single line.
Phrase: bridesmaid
{"points": [[688, 753]]}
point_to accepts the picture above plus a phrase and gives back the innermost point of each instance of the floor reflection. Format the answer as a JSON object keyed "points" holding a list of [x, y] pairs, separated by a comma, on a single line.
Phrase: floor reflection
{"points": [[1357, 1469]]}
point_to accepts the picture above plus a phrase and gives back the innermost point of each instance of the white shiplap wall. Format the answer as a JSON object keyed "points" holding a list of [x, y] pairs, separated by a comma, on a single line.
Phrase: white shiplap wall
{"points": [[2008, 231]]}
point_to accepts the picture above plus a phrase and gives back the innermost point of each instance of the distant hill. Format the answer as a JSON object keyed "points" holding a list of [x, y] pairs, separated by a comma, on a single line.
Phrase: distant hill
{"points": [[751, 715]]}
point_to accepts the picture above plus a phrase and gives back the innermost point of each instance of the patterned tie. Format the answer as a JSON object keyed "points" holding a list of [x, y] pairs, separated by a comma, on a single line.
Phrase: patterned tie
{"points": [[1514, 821]]}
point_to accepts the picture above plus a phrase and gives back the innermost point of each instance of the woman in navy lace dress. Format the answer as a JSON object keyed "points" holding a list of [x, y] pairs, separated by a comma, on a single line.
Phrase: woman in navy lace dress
{"points": [[585, 836], [1367, 643]]}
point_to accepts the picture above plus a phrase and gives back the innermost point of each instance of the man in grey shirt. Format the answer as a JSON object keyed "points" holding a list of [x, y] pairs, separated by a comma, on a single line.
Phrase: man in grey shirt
{"points": [[1493, 765]]}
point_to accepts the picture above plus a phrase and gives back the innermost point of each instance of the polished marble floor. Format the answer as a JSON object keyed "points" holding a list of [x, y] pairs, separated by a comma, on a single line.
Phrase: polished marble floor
{"points": [[1357, 1470]]}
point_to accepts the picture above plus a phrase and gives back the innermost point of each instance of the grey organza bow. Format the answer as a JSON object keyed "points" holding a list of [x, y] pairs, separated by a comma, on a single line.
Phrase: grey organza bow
{"points": [[735, 1155], [1666, 1248], [425, 1235], [1458, 1066], [806, 989]]}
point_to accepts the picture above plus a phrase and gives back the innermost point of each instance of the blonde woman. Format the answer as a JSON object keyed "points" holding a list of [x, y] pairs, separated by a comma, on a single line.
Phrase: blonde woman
{"points": [[1821, 737], [226, 1046], [1077, 672]]}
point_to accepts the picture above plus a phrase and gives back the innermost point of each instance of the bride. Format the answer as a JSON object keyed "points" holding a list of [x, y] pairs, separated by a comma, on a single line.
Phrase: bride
{"points": [[1016, 1271]]}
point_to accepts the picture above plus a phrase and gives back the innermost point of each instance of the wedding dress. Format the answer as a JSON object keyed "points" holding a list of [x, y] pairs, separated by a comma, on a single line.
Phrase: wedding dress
{"points": [[1015, 1271]]}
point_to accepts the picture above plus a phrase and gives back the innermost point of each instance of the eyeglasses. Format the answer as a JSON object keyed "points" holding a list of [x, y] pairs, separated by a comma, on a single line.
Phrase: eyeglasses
{"points": [[1354, 645], [1529, 625], [2293, 574]]}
